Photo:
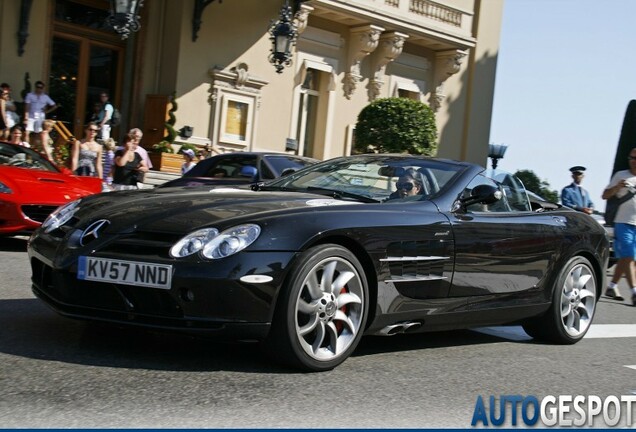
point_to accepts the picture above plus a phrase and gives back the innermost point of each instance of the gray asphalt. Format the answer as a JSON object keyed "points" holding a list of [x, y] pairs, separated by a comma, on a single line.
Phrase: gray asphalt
{"points": [[60, 373]]}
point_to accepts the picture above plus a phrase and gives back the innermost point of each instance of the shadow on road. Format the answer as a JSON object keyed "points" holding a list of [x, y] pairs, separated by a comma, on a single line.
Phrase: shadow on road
{"points": [[30, 329], [13, 244]]}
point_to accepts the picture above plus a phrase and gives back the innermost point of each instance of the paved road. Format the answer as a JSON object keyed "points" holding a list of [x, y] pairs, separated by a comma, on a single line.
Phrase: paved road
{"points": [[60, 373]]}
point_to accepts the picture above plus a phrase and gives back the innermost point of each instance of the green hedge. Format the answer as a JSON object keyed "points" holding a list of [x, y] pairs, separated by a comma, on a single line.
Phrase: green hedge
{"points": [[396, 125]]}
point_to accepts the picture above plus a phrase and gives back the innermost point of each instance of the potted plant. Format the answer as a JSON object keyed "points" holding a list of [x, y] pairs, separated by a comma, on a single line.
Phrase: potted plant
{"points": [[164, 155]]}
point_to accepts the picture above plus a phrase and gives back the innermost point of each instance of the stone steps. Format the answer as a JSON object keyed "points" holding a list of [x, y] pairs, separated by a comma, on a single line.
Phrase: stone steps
{"points": [[155, 178]]}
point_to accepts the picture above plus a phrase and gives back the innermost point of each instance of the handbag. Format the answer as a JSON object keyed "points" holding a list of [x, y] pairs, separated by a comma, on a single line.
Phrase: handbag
{"points": [[139, 176], [611, 208]]}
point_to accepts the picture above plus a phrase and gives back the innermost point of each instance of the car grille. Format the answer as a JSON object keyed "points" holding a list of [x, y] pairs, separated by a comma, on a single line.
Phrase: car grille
{"points": [[38, 213], [141, 244], [65, 289]]}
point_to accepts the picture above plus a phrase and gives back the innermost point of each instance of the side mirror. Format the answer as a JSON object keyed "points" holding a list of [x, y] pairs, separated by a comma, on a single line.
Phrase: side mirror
{"points": [[483, 194], [249, 172]]}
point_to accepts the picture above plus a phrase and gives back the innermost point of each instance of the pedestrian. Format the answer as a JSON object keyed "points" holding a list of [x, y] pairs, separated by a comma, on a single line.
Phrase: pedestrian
{"points": [[109, 160], [128, 165], [621, 184], [86, 156], [4, 115], [136, 134], [37, 105], [574, 196], [43, 142], [16, 136], [188, 157], [104, 116], [12, 111]]}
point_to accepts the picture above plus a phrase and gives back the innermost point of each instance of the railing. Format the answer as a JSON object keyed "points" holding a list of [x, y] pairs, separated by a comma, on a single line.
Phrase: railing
{"points": [[392, 3], [63, 134], [63, 138], [434, 11]]}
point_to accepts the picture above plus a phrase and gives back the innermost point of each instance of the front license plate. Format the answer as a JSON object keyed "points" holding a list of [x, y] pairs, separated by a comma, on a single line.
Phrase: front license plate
{"points": [[125, 272]]}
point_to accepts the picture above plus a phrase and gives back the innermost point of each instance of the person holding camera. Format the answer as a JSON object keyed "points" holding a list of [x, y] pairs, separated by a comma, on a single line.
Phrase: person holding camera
{"points": [[128, 166], [621, 185]]}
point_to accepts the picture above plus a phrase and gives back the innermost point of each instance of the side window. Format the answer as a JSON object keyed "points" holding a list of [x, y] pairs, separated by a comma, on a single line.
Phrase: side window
{"points": [[500, 206]]}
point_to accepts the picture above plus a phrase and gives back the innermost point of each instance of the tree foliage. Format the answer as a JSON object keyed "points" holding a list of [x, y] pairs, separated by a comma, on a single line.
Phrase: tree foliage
{"points": [[396, 125], [534, 184]]}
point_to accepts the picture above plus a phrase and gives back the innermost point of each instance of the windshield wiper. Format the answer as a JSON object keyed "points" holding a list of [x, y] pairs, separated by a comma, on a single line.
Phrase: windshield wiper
{"points": [[263, 187], [339, 194]]}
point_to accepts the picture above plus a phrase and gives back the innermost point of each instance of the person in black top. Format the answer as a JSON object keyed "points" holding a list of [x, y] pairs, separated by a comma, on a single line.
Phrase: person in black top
{"points": [[128, 164]]}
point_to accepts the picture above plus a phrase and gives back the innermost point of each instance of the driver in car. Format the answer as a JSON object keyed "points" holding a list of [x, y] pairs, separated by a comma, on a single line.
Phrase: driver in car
{"points": [[408, 184]]}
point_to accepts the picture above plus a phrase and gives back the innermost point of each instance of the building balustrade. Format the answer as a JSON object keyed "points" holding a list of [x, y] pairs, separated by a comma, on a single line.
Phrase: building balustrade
{"points": [[436, 11], [413, 11]]}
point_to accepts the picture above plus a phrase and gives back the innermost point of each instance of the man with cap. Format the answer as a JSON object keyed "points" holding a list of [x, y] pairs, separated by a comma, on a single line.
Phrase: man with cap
{"points": [[574, 196], [188, 161]]}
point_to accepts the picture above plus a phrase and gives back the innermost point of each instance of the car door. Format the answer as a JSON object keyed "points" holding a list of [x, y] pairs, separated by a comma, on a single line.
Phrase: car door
{"points": [[503, 248]]}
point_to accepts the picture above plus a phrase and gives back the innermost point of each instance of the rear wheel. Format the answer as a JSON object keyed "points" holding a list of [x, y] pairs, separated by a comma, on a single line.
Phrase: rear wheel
{"points": [[322, 310], [573, 305]]}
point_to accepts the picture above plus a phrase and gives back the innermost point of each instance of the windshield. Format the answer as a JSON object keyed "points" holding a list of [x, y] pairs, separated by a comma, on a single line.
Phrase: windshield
{"points": [[282, 163], [18, 156], [513, 189], [373, 177]]}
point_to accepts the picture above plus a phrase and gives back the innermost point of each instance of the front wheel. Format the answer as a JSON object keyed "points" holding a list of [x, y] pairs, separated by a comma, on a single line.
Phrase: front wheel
{"points": [[322, 310], [573, 305]]}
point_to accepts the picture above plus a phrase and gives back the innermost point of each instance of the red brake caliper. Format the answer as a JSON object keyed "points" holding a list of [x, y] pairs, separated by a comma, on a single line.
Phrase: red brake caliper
{"points": [[339, 325]]}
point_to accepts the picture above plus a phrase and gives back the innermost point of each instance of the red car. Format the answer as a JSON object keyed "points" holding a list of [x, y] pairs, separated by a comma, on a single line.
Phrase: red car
{"points": [[31, 187]]}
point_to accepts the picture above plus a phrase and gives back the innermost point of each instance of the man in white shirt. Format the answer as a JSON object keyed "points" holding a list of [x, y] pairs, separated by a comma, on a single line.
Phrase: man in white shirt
{"points": [[622, 185], [37, 105], [104, 117]]}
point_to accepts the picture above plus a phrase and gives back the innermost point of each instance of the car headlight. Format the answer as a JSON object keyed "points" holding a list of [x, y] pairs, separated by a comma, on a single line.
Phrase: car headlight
{"points": [[231, 241], [215, 245], [60, 216], [193, 242], [5, 189]]}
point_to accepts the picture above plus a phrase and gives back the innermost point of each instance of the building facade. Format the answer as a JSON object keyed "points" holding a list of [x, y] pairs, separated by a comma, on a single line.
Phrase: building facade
{"points": [[213, 57]]}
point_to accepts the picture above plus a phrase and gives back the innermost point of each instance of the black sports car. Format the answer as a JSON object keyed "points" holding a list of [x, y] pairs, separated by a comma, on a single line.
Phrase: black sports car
{"points": [[308, 263], [241, 168]]}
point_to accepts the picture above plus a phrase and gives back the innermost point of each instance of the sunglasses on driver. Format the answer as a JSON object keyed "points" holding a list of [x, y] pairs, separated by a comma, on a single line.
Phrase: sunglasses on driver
{"points": [[405, 186]]}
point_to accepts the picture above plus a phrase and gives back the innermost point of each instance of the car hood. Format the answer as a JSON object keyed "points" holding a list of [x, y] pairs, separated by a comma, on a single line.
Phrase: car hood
{"points": [[184, 210], [46, 186], [204, 181]]}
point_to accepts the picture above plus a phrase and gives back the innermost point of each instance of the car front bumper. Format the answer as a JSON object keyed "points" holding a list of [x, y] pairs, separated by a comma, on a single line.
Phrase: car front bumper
{"points": [[209, 297]]}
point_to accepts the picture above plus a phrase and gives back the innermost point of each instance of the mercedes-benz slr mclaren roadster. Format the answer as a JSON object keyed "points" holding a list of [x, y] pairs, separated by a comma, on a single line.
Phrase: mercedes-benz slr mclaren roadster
{"points": [[311, 262]]}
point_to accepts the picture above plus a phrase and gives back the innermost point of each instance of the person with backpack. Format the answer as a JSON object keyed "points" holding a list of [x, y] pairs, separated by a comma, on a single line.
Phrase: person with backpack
{"points": [[104, 117], [622, 185]]}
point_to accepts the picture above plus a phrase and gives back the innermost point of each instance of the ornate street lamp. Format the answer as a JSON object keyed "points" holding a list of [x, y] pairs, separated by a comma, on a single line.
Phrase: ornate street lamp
{"points": [[123, 16], [496, 152], [283, 36]]}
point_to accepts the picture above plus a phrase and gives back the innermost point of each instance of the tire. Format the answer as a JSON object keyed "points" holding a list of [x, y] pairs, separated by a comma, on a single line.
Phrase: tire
{"points": [[573, 305], [322, 310]]}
